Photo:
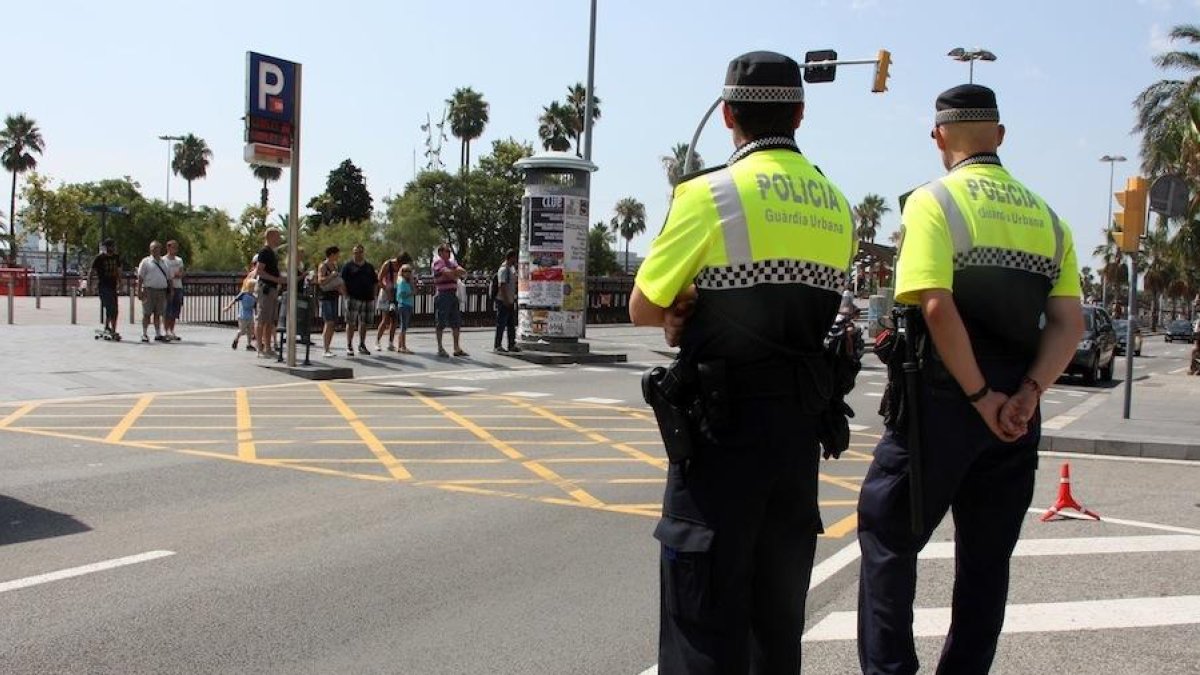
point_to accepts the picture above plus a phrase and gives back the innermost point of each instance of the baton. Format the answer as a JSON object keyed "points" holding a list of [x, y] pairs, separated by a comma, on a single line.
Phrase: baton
{"points": [[912, 387]]}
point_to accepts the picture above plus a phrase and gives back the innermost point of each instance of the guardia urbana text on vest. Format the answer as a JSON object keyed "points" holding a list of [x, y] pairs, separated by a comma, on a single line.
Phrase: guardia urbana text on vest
{"points": [[815, 193]]}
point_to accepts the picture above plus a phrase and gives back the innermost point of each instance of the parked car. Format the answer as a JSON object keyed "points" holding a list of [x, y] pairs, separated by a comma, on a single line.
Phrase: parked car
{"points": [[1122, 328], [1179, 330], [1097, 349]]}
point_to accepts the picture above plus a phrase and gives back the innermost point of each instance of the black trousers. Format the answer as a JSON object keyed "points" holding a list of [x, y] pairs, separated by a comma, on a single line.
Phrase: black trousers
{"points": [[738, 536], [506, 320], [987, 485]]}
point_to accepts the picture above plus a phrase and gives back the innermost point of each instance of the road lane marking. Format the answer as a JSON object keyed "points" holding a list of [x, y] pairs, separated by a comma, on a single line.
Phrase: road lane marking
{"points": [[599, 401], [377, 448], [26, 582], [830, 566], [460, 390], [131, 418], [579, 494], [527, 394], [245, 425], [18, 414], [1075, 413], [1120, 521], [944, 550], [842, 527], [595, 435], [1047, 617], [859, 427]]}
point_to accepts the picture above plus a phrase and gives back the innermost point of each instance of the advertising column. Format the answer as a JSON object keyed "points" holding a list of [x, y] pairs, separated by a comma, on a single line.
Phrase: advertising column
{"points": [[553, 260]]}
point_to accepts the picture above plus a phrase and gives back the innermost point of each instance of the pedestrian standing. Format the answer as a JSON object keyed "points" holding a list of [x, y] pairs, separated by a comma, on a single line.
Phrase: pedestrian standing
{"points": [[153, 285], [175, 269], [106, 267], [389, 272], [245, 302], [405, 305], [359, 276], [446, 310], [506, 303], [331, 288], [988, 263], [267, 290], [749, 302]]}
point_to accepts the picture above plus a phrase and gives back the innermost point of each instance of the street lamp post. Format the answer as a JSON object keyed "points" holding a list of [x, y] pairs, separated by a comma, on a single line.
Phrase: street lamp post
{"points": [[971, 56], [1112, 160], [169, 139]]}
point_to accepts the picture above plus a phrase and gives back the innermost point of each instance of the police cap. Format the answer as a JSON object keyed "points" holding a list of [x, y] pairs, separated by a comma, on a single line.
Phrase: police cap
{"points": [[967, 103], [763, 77]]}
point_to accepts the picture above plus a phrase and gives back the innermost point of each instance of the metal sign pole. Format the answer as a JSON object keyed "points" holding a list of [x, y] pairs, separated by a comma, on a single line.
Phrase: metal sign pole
{"points": [[294, 230]]}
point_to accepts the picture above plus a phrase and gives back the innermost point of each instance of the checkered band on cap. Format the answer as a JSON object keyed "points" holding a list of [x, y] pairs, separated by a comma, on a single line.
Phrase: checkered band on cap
{"points": [[772, 272], [952, 115], [987, 256], [748, 93]]}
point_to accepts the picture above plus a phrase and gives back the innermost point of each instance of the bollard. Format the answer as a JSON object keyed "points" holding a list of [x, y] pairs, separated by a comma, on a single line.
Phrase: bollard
{"points": [[74, 300], [37, 291]]}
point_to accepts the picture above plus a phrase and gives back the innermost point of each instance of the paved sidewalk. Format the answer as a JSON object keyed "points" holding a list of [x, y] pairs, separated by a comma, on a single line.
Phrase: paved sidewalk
{"points": [[1164, 421]]}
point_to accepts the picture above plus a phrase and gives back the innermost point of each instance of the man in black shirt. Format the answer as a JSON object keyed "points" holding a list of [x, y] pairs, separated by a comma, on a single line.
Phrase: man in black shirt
{"points": [[106, 268], [269, 283], [360, 279]]}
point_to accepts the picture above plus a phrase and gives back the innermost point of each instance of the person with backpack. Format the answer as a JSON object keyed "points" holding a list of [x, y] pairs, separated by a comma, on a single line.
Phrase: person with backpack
{"points": [[503, 288]]}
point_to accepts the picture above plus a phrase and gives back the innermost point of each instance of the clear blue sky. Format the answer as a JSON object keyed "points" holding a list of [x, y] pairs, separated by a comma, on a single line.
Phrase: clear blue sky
{"points": [[104, 79]]}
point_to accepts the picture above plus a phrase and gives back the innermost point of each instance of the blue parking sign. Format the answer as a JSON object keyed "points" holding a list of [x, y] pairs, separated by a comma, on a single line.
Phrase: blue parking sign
{"points": [[270, 87]]}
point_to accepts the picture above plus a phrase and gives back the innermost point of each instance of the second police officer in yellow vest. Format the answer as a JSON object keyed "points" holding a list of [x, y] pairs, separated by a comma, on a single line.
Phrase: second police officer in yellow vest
{"points": [[993, 270], [747, 276]]}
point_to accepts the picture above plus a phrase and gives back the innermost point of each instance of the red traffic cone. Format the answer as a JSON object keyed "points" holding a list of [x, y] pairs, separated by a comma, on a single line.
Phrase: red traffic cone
{"points": [[1065, 500]]}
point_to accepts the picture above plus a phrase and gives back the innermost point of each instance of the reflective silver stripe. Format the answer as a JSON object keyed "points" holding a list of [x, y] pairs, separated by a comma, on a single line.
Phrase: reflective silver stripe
{"points": [[733, 217], [1058, 238], [959, 232]]}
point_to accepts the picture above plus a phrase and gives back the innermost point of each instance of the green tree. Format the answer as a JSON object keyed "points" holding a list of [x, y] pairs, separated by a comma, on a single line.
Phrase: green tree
{"points": [[56, 213], [602, 259], [468, 114], [869, 214], [554, 127], [1165, 108], [20, 140], [349, 199], [267, 174], [191, 161], [674, 163], [577, 104], [629, 222]]}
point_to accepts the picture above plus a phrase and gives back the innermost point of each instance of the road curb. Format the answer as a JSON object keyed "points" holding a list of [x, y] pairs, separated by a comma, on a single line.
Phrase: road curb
{"points": [[1098, 445]]}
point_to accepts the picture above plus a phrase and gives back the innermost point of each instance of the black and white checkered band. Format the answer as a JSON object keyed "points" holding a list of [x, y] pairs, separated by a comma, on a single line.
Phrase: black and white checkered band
{"points": [[772, 272], [953, 115], [986, 256], [982, 158], [765, 143], [749, 93]]}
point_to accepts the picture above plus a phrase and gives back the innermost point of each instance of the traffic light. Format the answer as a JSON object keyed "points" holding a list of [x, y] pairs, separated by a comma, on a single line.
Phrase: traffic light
{"points": [[881, 71], [1131, 223]]}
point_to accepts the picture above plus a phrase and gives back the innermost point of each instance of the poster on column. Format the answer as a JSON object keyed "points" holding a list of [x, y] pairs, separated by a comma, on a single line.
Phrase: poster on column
{"points": [[553, 263]]}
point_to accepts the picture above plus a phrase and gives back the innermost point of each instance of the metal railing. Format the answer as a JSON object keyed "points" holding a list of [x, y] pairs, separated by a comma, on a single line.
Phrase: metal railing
{"points": [[206, 296]]}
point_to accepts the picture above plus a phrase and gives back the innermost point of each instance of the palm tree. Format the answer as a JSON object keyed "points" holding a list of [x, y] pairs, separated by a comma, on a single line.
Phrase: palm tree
{"points": [[191, 161], [629, 222], [675, 162], [554, 127], [19, 141], [1111, 270], [869, 215], [577, 102], [267, 174], [1164, 109], [468, 117]]}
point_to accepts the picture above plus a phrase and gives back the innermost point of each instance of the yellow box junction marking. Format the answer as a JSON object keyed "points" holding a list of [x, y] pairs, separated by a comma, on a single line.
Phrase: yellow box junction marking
{"points": [[536, 467], [245, 436], [118, 432], [629, 450], [368, 437], [17, 414]]}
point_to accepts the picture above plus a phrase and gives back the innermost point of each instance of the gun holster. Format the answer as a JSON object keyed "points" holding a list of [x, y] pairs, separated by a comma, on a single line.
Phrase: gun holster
{"points": [[671, 394]]}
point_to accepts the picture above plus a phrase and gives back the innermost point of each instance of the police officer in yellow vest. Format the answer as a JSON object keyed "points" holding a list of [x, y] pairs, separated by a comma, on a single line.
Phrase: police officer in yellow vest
{"points": [[993, 270], [746, 275]]}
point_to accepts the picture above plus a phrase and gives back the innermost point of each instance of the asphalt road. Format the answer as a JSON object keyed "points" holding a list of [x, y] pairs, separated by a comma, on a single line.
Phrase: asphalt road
{"points": [[485, 516]]}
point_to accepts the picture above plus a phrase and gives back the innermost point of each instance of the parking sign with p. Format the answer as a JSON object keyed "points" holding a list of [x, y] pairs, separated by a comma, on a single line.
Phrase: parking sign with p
{"points": [[271, 87]]}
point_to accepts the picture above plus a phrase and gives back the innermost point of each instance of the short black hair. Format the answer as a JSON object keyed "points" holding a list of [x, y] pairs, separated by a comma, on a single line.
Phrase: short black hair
{"points": [[404, 258], [331, 250], [759, 120], [510, 253]]}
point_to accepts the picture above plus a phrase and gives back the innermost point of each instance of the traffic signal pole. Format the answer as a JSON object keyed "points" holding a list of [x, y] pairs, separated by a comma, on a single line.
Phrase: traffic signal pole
{"points": [[1130, 319]]}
